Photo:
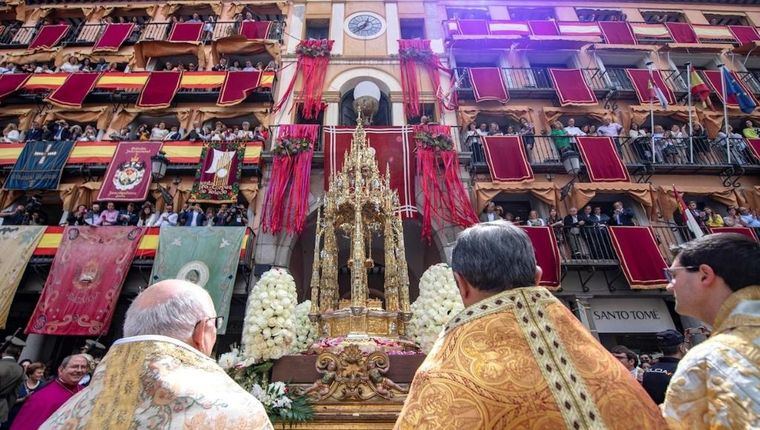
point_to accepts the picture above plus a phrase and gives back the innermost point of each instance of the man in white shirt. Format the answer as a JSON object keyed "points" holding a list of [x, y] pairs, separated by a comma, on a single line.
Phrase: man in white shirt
{"points": [[572, 130], [609, 128], [168, 217]]}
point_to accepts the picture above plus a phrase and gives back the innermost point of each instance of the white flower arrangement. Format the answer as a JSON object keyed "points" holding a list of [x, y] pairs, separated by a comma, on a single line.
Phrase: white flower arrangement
{"points": [[268, 329], [306, 333], [438, 302], [274, 396]]}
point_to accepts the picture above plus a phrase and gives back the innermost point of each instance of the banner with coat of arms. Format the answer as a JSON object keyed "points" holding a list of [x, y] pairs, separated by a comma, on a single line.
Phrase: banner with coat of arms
{"points": [[218, 177], [129, 173]]}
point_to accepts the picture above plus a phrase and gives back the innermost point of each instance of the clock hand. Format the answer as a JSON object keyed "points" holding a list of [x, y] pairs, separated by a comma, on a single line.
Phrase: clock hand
{"points": [[363, 25]]}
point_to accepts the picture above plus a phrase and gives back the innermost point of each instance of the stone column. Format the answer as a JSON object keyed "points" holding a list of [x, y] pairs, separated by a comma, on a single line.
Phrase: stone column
{"points": [[583, 312]]}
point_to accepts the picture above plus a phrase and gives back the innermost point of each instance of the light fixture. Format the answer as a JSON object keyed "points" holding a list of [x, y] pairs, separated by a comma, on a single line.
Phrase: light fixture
{"points": [[571, 161], [158, 165]]}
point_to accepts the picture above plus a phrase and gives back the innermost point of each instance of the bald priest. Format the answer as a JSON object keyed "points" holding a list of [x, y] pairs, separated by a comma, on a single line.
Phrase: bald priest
{"points": [[516, 357]]}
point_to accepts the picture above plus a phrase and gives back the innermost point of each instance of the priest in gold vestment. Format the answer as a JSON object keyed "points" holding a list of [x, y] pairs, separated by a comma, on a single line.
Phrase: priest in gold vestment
{"points": [[160, 376], [516, 357]]}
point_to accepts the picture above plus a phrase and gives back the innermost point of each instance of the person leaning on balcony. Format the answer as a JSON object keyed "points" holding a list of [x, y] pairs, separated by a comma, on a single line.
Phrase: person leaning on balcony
{"points": [[736, 142], [71, 66], [622, 216], [245, 133], [195, 133], [489, 213], [76, 132], [93, 216], [748, 219], [110, 216], [700, 143], [712, 219], [572, 130], [560, 138], [123, 134], [167, 218], [609, 128], [148, 215], [222, 66], [573, 224], [173, 134], [143, 132], [750, 131], [159, 132], [528, 132], [533, 220], [78, 216], [732, 219], [494, 130], [34, 133], [11, 134]]}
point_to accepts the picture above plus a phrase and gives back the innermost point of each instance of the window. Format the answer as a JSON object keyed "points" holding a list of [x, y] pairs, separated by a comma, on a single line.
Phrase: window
{"points": [[317, 28], [412, 28], [301, 120], [587, 15], [383, 116], [662, 16], [531, 14], [465, 13], [716, 19], [427, 109]]}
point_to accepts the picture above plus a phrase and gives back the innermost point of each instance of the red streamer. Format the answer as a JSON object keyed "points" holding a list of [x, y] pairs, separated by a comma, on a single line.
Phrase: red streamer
{"points": [[313, 70], [432, 64]]}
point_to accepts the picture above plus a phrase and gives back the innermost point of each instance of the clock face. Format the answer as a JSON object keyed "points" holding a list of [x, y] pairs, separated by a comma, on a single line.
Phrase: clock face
{"points": [[365, 26]]}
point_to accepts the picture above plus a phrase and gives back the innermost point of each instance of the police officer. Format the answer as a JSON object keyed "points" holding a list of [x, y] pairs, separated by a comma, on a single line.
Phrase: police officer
{"points": [[657, 377]]}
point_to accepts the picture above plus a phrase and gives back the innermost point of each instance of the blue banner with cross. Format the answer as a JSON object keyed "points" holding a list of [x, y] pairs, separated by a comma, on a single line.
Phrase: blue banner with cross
{"points": [[39, 166]]}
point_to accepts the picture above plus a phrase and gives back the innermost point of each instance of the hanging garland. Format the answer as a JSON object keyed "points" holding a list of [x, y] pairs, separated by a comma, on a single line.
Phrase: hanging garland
{"points": [[313, 59], [415, 52], [445, 199]]}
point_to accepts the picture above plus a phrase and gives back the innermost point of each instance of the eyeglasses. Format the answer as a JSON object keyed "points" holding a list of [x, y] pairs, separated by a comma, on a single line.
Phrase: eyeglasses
{"points": [[218, 322], [670, 275]]}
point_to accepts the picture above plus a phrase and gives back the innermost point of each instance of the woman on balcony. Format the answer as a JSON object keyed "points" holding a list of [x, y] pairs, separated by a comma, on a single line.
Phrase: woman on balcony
{"points": [[560, 137], [713, 219], [732, 219], [700, 143], [159, 132], [534, 221], [528, 132], [11, 134]]}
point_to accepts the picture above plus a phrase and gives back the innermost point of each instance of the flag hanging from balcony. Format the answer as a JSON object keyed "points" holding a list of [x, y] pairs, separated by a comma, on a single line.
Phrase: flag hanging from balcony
{"points": [[417, 52], [207, 256], [129, 174], [733, 88], [699, 89], [256, 30], [159, 90], [22, 240], [445, 198], [713, 78], [313, 59], [287, 199], [394, 148], [48, 36], [547, 255], [640, 257], [602, 161], [488, 84], [39, 166], [572, 88], [687, 215], [217, 179], [506, 159], [85, 280], [657, 94], [12, 82], [186, 32], [113, 37], [237, 87], [750, 233], [644, 84], [74, 90]]}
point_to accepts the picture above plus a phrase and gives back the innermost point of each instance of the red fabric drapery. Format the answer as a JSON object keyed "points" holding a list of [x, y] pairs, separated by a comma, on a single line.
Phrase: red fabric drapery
{"points": [[754, 146], [639, 256], [713, 79], [113, 37], [415, 52], [488, 84], [287, 198], [85, 279], [602, 161], [740, 230], [74, 89], [472, 27], [237, 86], [617, 33], [547, 255], [49, 36], [159, 90], [572, 88], [544, 28], [744, 33], [255, 30], [444, 194], [10, 83], [640, 79], [682, 32], [313, 58], [186, 32], [506, 159]]}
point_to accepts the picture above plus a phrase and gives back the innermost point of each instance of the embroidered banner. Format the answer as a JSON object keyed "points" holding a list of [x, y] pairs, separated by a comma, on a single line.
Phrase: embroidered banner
{"points": [[39, 166], [254, 30], [393, 147], [237, 86], [76, 88], [506, 159], [205, 256], [19, 242], [186, 32], [113, 37], [159, 90], [602, 161], [129, 174], [85, 280], [572, 88], [639, 257], [218, 177], [11, 82], [48, 36], [488, 84], [547, 255]]}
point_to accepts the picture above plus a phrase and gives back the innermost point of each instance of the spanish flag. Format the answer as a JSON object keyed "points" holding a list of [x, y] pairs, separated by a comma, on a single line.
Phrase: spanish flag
{"points": [[699, 89]]}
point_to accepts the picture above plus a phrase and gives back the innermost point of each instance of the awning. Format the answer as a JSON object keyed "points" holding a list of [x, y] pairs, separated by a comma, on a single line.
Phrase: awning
{"points": [[682, 32], [617, 32], [488, 84], [668, 204], [583, 192], [254, 30], [487, 191], [113, 37], [144, 50], [468, 114], [579, 29], [750, 233], [48, 36], [235, 45], [602, 161], [10, 83], [558, 42], [547, 255], [237, 86], [159, 90], [639, 257], [74, 90], [186, 32], [484, 42], [713, 33], [640, 79], [744, 33], [506, 159], [650, 31], [630, 315], [713, 79], [572, 88]]}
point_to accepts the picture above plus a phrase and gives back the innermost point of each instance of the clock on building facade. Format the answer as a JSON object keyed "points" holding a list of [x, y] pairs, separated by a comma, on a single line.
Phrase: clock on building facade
{"points": [[365, 25]]}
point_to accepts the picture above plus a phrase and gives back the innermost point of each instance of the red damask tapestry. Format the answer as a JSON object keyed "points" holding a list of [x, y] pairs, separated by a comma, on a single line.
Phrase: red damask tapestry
{"points": [[85, 280]]}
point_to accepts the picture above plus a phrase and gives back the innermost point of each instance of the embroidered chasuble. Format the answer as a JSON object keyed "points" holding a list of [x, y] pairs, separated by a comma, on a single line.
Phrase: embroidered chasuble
{"points": [[521, 360], [159, 383]]}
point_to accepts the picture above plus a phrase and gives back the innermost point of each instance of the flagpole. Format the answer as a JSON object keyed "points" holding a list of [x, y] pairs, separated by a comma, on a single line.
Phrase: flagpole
{"points": [[650, 64], [691, 129], [725, 110]]}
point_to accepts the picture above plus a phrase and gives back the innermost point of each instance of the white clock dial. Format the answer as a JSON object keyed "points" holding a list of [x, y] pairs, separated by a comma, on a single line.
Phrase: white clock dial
{"points": [[365, 25]]}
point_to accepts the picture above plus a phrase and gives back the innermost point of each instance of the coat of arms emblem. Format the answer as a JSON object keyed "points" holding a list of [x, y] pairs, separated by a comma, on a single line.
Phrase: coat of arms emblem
{"points": [[129, 174]]}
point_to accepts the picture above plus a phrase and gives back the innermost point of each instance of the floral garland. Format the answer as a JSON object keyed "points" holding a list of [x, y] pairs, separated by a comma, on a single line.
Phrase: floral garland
{"points": [[440, 141], [268, 329], [438, 302], [291, 146], [314, 48], [306, 334]]}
